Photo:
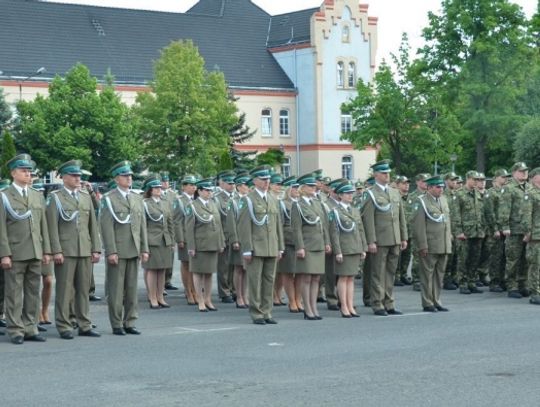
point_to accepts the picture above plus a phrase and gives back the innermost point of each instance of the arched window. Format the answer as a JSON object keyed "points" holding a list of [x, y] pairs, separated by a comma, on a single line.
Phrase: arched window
{"points": [[340, 79], [284, 122], [347, 167], [345, 34], [286, 167], [266, 122], [351, 75]]}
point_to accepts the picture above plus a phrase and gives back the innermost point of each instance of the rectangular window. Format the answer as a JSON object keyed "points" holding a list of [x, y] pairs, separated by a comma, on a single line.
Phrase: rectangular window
{"points": [[284, 123], [346, 123], [347, 167], [286, 167], [266, 123]]}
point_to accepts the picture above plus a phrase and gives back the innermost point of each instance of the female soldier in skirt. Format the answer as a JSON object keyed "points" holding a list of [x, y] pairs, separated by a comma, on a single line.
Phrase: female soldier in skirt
{"points": [[205, 239], [348, 244], [160, 230]]}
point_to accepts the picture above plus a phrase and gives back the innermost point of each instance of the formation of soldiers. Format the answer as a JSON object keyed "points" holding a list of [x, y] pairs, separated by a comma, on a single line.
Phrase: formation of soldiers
{"points": [[261, 234]]}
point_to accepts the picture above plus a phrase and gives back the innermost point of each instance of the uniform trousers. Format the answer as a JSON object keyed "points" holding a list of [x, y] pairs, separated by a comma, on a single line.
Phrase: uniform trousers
{"points": [[432, 268], [121, 291], [468, 260], [516, 264], [533, 260], [72, 284], [330, 280], [382, 277], [224, 274], [497, 260], [261, 272], [366, 279], [450, 275], [22, 284]]}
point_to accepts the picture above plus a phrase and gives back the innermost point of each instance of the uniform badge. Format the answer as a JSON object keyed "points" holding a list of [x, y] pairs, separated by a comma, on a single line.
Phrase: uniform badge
{"points": [[48, 201], [415, 207], [526, 197], [331, 216], [240, 204], [188, 211]]}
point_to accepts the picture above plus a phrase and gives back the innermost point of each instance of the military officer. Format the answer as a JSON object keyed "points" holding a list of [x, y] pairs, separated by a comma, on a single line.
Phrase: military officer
{"points": [[169, 197], [261, 240], [450, 275], [359, 194], [179, 212], [225, 269], [495, 238], [510, 217], [531, 226], [276, 189], [123, 230], [469, 230], [75, 244], [432, 241], [403, 184], [386, 234], [24, 246]]}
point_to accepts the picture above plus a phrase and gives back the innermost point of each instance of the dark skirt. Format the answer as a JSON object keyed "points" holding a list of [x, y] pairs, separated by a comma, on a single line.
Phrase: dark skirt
{"points": [[161, 257], [313, 263], [183, 254], [349, 267], [287, 264], [235, 257], [204, 263]]}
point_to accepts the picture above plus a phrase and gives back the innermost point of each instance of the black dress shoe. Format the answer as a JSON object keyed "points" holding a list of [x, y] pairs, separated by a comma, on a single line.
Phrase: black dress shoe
{"points": [[496, 289], [441, 308], [430, 309], [333, 307], [163, 305], [394, 312], [381, 313], [66, 335], [345, 315], [475, 290], [41, 328], [211, 308], [318, 317], [464, 290], [525, 292], [449, 286], [35, 338], [321, 299], [90, 332], [3, 323], [170, 287], [17, 340], [308, 318], [514, 294], [94, 297], [118, 331], [355, 315], [203, 310], [270, 321], [132, 330], [259, 321], [227, 299], [154, 306], [243, 306]]}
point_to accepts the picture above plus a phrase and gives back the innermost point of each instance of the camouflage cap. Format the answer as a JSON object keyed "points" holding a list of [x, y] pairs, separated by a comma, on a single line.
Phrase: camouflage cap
{"points": [[401, 179], [480, 175], [451, 176], [501, 173], [471, 174], [422, 176], [359, 184], [534, 171], [519, 166]]}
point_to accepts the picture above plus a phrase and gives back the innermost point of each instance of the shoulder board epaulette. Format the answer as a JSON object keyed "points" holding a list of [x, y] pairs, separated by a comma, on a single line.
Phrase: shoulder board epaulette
{"points": [[84, 191]]}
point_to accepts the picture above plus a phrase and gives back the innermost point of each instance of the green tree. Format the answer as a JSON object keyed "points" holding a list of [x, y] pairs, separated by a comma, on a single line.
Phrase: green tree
{"points": [[527, 143], [185, 122], [272, 157], [8, 152], [77, 122], [478, 54], [240, 133], [5, 112]]}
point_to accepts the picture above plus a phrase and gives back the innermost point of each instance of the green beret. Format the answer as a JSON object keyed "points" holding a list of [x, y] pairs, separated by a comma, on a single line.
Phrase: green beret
{"points": [[262, 172], [502, 173], [381, 166], [152, 181], [307, 179], [520, 166], [121, 168], [21, 161], [72, 167], [207, 184], [345, 188]]}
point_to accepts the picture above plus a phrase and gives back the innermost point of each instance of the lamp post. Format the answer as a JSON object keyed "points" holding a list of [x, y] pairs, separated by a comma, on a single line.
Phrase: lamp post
{"points": [[37, 73], [453, 159]]}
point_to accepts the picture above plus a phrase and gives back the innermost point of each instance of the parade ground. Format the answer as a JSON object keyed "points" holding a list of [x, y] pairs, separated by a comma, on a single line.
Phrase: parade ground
{"points": [[484, 352]]}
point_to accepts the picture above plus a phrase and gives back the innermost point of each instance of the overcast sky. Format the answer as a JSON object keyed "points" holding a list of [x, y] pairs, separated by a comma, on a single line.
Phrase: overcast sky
{"points": [[395, 16]]}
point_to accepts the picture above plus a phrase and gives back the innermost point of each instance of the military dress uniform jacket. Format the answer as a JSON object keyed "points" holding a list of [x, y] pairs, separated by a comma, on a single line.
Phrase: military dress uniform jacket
{"points": [[513, 198], [263, 238], [286, 208], [72, 223], [431, 226], [347, 231], [25, 239], [222, 200], [204, 232], [180, 206], [127, 239], [231, 222], [309, 227], [384, 217], [159, 222], [468, 216]]}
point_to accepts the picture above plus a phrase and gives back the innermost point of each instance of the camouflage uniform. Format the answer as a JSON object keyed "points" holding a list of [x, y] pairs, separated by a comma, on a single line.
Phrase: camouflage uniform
{"points": [[511, 205], [468, 219], [405, 255], [531, 226], [450, 275], [494, 245]]}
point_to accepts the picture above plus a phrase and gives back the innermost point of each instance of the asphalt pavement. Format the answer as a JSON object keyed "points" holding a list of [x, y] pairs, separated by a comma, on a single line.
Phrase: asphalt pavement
{"points": [[484, 352]]}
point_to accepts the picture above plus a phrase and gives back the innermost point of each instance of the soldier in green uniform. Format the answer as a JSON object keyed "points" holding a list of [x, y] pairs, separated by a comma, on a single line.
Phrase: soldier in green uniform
{"points": [[179, 212], [261, 239], [24, 246], [483, 266], [511, 219], [386, 234], [168, 196], [368, 261], [359, 194], [276, 189], [495, 238], [225, 269], [75, 244], [450, 275], [531, 226], [469, 230], [402, 185], [4, 183], [433, 240], [420, 190], [123, 230]]}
